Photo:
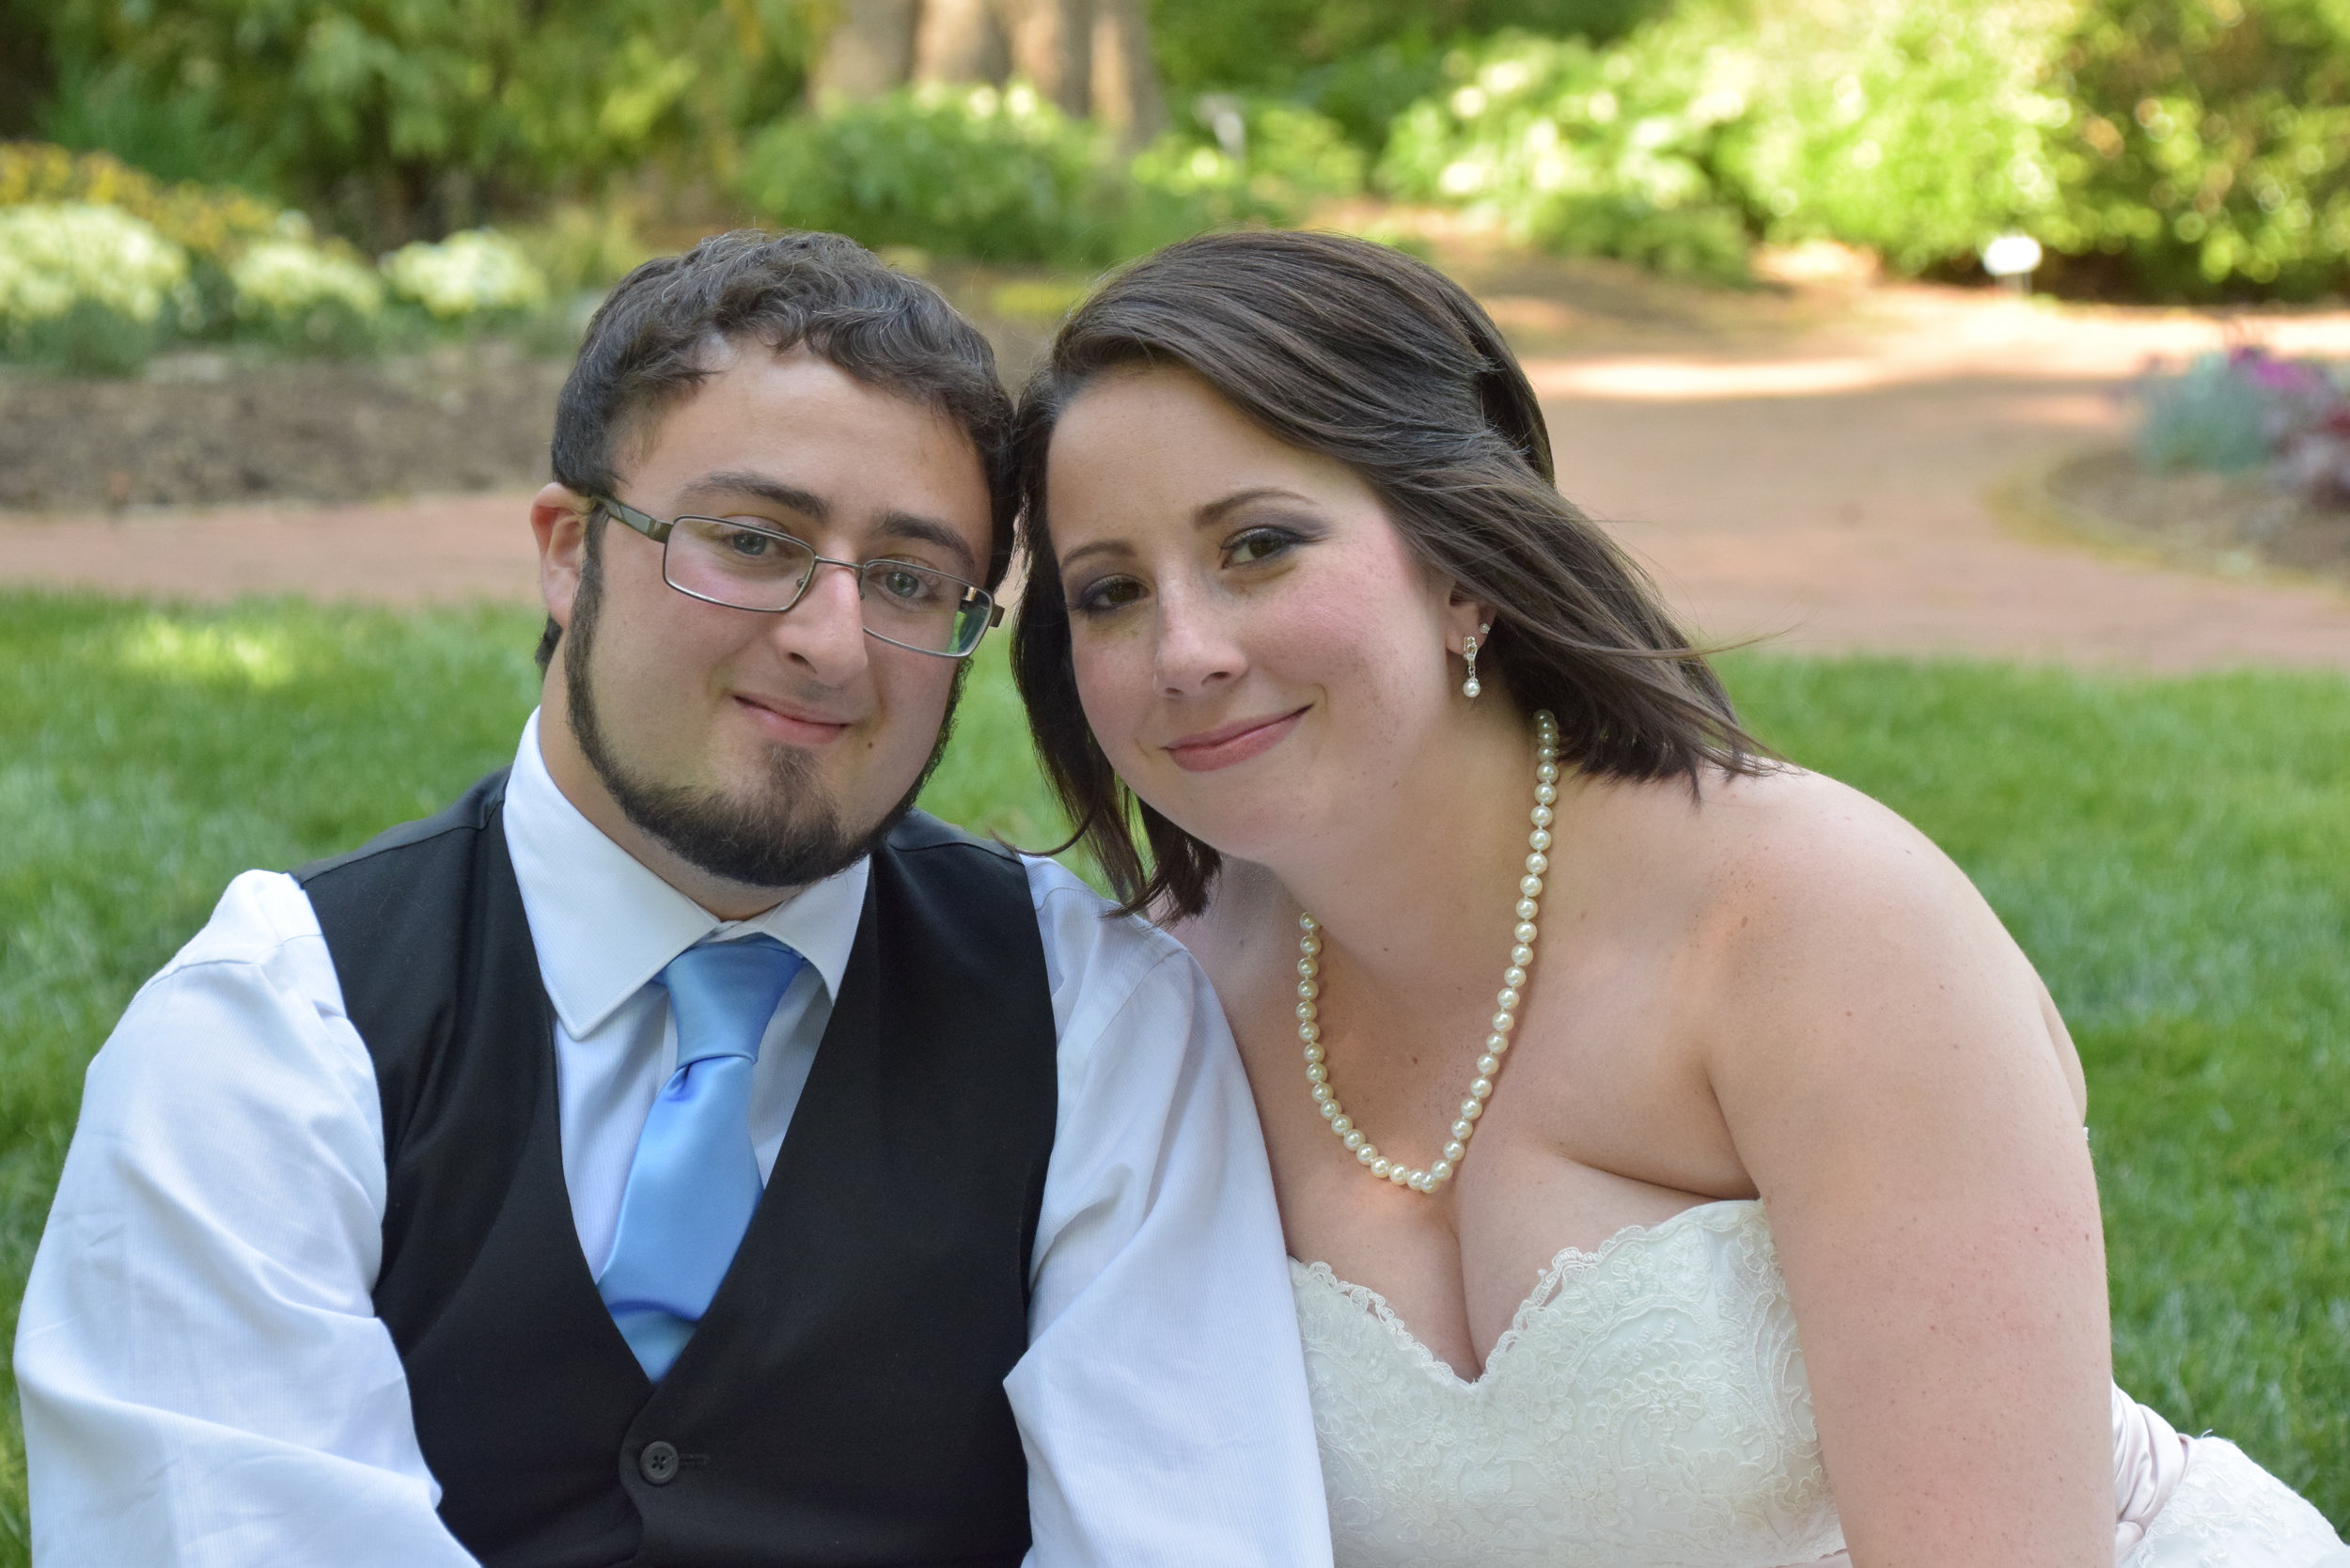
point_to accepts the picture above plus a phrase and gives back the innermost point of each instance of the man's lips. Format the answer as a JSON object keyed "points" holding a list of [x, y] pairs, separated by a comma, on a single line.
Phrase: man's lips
{"points": [[1212, 749], [789, 723]]}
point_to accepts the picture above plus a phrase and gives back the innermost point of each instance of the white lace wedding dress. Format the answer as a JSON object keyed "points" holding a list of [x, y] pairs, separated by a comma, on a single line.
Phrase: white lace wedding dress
{"points": [[1648, 1409]]}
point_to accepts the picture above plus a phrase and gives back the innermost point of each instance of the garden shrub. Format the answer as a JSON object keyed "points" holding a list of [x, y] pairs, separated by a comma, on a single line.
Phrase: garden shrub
{"points": [[1295, 152], [209, 222], [1587, 151], [476, 273], [306, 296], [1290, 154], [2185, 148], [86, 287], [1365, 92], [2248, 408], [1003, 175], [2213, 157], [994, 174], [101, 266], [1919, 130], [214, 225]]}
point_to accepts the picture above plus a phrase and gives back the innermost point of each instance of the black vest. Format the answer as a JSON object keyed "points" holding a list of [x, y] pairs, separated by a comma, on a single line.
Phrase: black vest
{"points": [[842, 1401]]}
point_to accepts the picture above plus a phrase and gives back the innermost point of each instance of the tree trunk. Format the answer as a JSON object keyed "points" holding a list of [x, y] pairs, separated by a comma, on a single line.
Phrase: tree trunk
{"points": [[1126, 95], [1052, 44], [960, 41], [869, 52], [1088, 56]]}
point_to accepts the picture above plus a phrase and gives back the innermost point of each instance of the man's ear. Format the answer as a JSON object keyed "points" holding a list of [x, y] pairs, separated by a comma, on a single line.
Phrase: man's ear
{"points": [[558, 516]]}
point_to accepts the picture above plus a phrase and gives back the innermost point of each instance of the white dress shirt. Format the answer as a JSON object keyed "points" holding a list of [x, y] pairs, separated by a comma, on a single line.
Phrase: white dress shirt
{"points": [[203, 1377]]}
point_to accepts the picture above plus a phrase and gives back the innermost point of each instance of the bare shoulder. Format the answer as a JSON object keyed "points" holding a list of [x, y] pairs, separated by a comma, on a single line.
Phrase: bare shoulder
{"points": [[1744, 866], [1814, 854], [1830, 927]]}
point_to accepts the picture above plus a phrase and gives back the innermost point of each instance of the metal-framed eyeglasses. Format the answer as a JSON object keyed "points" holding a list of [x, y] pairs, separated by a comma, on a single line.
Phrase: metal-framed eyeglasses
{"points": [[747, 566]]}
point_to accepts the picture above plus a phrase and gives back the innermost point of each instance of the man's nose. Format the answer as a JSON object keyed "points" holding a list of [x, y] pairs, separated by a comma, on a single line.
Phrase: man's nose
{"points": [[1197, 651], [824, 632]]}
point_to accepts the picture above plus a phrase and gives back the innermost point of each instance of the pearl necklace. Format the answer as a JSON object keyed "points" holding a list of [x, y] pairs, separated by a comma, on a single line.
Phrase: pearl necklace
{"points": [[1505, 1017]]}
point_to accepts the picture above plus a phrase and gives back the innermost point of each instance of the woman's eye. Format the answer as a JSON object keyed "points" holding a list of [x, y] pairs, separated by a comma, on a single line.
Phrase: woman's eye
{"points": [[1105, 595], [1258, 544], [749, 543]]}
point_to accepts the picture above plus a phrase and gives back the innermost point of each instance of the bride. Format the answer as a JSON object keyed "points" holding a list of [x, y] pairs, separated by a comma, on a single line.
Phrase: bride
{"points": [[1688, 1167]]}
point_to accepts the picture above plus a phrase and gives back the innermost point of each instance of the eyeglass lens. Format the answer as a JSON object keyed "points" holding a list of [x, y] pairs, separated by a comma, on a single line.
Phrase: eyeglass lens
{"points": [[750, 569]]}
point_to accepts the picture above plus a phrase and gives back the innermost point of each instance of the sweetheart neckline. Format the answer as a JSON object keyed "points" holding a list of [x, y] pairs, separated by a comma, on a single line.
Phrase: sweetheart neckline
{"points": [[1549, 1287]]}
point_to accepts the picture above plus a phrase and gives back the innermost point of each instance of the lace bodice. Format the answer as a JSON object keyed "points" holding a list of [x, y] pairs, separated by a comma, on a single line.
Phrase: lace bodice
{"points": [[1647, 1405], [1647, 1408]]}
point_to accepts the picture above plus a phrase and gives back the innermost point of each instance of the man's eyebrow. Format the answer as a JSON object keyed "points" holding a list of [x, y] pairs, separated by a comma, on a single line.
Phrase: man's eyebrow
{"points": [[730, 482], [930, 530]]}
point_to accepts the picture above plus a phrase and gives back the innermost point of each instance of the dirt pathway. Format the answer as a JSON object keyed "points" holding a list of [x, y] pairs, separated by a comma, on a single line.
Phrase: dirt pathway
{"points": [[1854, 485], [1831, 485], [1865, 521]]}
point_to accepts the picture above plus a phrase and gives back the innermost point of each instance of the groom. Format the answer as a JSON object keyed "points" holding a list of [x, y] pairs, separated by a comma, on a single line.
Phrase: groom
{"points": [[678, 1152]]}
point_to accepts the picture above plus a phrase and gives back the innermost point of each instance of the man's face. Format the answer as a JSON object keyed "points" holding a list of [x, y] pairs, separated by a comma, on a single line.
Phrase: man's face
{"points": [[760, 749]]}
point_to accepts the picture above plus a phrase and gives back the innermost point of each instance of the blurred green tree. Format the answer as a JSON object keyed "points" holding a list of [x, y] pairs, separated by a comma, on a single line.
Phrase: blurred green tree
{"points": [[1917, 128], [25, 73], [1272, 45], [1361, 62], [396, 118], [2212, 153], [1920, 129]]}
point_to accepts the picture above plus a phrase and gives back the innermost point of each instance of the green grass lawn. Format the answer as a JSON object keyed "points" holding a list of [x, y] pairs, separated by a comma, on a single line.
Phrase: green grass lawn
{"points": [[2174, 855]]}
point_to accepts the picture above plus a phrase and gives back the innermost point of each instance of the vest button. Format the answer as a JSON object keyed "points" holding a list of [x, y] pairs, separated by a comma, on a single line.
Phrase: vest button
{"points": [[658, 1463]]}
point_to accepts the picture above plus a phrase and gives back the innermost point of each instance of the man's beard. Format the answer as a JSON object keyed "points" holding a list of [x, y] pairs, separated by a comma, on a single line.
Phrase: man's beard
{"points": [[787, 835]]}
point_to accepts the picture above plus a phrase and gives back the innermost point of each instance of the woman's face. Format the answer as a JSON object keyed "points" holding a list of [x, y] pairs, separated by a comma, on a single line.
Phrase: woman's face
{"points": [[1259, 653]]}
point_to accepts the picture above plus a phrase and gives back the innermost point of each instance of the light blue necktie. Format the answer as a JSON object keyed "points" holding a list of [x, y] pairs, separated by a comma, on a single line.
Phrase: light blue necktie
{"points": [[695, 1183]]}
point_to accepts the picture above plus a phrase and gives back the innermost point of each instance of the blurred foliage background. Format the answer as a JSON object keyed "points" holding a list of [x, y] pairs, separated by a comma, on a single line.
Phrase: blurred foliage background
{"points": [[279, 150]]}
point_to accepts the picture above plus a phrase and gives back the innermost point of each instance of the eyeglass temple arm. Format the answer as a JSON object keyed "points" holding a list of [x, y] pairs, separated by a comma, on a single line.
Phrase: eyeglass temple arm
{"points": [[644, 523]]}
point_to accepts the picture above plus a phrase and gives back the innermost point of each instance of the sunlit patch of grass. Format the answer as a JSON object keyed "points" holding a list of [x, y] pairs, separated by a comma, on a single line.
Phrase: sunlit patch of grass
{"points": [[164, 648], [2174, 855]]}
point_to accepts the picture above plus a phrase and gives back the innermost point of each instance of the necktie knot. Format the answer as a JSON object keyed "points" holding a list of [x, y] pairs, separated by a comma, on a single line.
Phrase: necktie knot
{"points": [[722, 995]]}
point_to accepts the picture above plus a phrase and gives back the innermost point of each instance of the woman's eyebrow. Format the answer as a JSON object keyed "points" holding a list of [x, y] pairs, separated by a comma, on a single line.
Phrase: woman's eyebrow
{"points": [[1098, 547], [1205, 516], [1217, 510]]}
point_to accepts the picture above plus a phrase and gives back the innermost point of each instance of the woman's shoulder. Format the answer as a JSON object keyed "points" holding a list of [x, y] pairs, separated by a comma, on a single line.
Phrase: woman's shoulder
{"points": [[1767, 866], [1818, 922]]}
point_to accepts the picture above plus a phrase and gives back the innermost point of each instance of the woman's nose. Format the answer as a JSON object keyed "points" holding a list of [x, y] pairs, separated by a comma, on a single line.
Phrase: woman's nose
{"points": [[1197, 650]]}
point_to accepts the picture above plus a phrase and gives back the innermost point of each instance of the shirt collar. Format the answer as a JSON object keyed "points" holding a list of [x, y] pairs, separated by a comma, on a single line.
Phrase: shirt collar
{"points": [[604, 923]]}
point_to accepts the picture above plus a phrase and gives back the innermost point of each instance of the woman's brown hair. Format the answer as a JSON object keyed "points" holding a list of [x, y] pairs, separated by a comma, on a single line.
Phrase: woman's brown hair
{"points": [[1361, 353]]}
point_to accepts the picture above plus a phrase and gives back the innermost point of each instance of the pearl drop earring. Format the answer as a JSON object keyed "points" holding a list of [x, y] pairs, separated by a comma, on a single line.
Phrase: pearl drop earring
{"points": [[1469, 688]]}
